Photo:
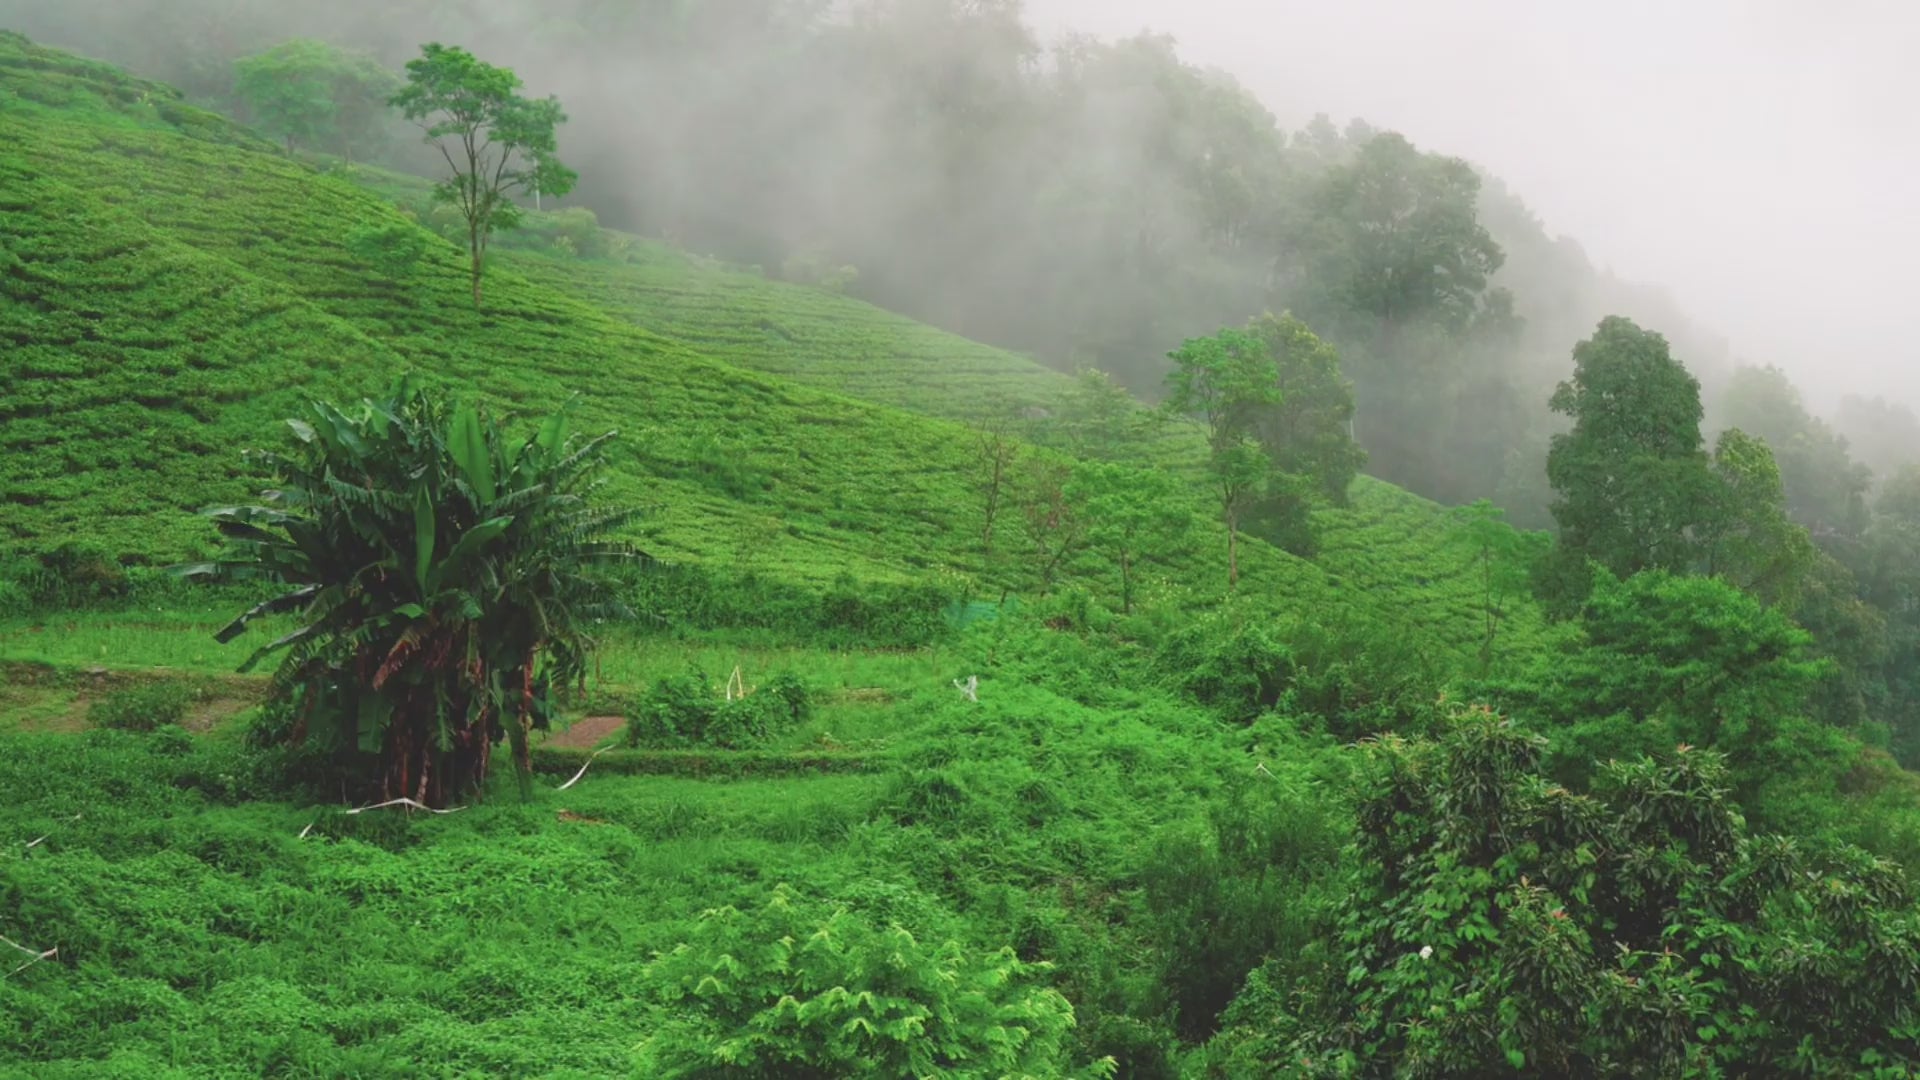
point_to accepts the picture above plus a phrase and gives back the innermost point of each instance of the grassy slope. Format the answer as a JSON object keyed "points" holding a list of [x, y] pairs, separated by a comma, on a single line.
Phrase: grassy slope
{"points": [[173, 287], [113, 213], [1389, 547]]}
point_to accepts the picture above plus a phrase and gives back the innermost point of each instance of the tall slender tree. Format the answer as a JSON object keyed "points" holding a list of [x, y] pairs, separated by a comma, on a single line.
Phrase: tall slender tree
{"points": [[496, 142]]}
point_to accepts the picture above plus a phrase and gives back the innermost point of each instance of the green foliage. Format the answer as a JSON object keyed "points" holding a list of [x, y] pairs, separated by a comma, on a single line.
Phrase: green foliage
{"points": [[496, 143], [1347, 679], [72, 574], [1664, 660], [1133, 515], [1276, 412], [393, 250], [443, 577], [1307, 431], [1825, 489], [1631, 478], [688, 710], [1504, 559], [1250, 881], [1098, 418], [798, 989], [1497, 925], [1399, 238], [141, 707], [316, 94], [1748, 538]]}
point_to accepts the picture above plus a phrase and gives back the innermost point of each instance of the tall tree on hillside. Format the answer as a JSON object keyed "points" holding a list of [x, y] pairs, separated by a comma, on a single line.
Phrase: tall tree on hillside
{"points": [[1227, 382], [1826, 489], [284, 92], [1503, 556], [496, 142], [312, 93], [1891, 583], [1396, 236], [1631, 478], [1306, 430], [1748, 539]]}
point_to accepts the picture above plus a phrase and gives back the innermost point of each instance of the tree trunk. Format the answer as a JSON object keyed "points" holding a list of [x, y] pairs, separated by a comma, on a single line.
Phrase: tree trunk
{"points": [[1233, 555], [473, 246]]}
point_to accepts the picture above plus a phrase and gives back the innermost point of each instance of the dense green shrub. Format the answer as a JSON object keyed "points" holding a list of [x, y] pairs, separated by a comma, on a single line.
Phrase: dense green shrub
{"points": [[72, 574], [843, 613], [686, 709], [141, 707], [1250, 880], [804, 991], [1351, 679], [446, 575], [1495, 924], [392, 250]]}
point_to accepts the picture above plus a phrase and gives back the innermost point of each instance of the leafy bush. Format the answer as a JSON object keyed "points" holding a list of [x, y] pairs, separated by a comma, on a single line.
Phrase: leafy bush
{"points": [[846, 613], [1498, 925], [445, 575], [142, 707], [806, 991], [392, 250], [72, 574], [1250, 881], [686, 710]]}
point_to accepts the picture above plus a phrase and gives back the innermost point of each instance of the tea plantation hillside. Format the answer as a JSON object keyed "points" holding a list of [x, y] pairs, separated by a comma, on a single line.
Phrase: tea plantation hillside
{"points": [[860, 793], [174, 287]]}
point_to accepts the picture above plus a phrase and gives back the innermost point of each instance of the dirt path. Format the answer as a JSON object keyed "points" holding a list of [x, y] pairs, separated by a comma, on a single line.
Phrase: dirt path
{"points": [[587, 733]]}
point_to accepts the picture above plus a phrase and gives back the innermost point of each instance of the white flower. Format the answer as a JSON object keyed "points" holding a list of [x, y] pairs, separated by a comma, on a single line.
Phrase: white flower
{"points": [[1426, 952]]}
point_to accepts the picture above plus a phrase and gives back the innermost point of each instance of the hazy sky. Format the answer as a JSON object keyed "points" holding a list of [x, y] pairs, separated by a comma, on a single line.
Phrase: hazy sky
{"points": [[1760, 159]]}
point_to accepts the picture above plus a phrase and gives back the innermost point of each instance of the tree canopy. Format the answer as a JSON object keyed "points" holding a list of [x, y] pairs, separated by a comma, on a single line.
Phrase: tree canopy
{"points": [[496, 143]]}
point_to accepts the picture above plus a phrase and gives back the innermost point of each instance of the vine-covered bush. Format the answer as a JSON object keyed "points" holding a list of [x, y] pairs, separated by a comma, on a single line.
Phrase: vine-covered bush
{"points": [[1497, 924], [806, 991], [685, 710]]}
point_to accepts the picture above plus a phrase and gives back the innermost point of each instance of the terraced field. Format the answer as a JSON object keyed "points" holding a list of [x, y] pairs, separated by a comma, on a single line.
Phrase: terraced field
{"points": [[170, 288], [167, 298]]}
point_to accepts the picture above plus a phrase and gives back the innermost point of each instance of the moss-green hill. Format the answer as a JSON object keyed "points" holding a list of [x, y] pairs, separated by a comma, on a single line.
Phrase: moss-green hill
{"points": [[170, 287]]}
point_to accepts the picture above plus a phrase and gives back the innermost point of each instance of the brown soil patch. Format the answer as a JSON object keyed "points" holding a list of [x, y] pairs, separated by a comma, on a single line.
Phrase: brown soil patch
{"points": [[587, 733], [568, 815]]}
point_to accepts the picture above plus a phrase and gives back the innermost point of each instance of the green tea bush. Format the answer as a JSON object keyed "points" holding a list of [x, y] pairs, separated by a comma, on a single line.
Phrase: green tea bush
{"points": [[803, 990], [73, 574], [392, 250], [683, 710], [844, 614], [142, 707]]}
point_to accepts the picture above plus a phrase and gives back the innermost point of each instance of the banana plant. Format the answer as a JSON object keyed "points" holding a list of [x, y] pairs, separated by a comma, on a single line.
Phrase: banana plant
{"points": [[444, 579]]}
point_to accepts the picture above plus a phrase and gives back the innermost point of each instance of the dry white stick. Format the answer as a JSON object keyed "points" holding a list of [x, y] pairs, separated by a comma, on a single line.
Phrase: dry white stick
{"points": [[583, 768], [405, 802], [971, 687], [35, 957], [38, 840], [308, 829]]}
